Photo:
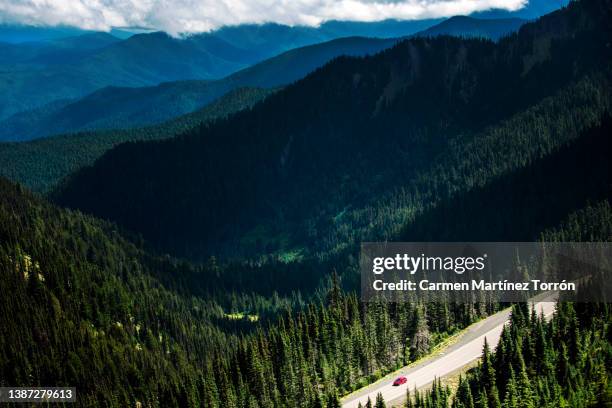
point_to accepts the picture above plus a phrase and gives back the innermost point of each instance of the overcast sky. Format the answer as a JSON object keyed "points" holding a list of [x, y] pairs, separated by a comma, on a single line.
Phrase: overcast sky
{"points": [[185, 16]]}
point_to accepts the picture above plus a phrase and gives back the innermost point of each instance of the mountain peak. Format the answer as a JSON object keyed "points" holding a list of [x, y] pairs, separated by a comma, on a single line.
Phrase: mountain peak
{"points": [[467, 26]]}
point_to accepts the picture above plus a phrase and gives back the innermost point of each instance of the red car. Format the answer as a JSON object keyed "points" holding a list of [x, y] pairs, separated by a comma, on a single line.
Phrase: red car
{"points": [[399, 381]]}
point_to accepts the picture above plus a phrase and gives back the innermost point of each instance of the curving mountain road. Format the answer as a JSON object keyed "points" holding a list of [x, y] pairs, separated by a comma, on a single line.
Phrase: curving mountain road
{"points": [[466, 350]]}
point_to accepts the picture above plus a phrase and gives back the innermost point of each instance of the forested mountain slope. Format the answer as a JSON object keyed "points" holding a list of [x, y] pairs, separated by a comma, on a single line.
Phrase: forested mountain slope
{"points": [[125, 326], [561, 363], [532, 199], [359, 147], [41, 164]]}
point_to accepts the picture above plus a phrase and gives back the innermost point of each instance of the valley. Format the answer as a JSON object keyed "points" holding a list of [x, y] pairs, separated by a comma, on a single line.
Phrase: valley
{"points": [[189, 235]]}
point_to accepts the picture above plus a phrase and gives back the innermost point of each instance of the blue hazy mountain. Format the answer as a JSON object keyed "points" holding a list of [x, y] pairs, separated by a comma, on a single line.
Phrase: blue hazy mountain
{"points": [[273, 39], [463, 26], [40, 73], [382, 29], [60, 51], [19, 33], [123, 107], [15, 33], [86, 41]]}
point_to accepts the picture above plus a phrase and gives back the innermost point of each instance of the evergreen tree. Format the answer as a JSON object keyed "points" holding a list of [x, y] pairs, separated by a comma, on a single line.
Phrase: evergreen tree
{"points": [[380, 402], [511, 397], [421, 337]]}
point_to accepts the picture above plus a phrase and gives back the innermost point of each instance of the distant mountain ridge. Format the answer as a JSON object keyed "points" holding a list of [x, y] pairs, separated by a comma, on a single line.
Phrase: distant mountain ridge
{"points": [[108, 108], [127, 107], [54, 51], [20, 33], [464, 26], [147, 59], [115, 107]]}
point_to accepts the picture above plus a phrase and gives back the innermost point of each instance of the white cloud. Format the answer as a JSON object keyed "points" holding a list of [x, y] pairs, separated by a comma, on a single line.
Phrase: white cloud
{"points": [[186, 16]]}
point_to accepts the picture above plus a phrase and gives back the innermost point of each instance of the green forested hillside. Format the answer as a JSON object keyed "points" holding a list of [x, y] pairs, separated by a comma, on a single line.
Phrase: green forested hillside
{"points": [[41, 164], [357, 148], [561, 363], [532, 198], [88, 308]]}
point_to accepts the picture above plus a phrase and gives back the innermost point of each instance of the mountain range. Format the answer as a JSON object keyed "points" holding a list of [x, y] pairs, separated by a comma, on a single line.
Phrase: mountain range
{"points": [[143, 59], [39, 72], [116, 107]]}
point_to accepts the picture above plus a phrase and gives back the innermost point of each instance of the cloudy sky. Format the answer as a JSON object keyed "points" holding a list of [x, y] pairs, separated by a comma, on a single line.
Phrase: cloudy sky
{"points": [[184, 16]]}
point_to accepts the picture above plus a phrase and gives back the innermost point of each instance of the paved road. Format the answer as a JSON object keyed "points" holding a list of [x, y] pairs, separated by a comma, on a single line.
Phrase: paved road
{"points": [[466, 350]]}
